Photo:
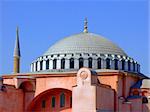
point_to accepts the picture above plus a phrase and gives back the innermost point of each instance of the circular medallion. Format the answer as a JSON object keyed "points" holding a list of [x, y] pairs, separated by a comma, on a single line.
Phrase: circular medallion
{"points": [[83, 75]]}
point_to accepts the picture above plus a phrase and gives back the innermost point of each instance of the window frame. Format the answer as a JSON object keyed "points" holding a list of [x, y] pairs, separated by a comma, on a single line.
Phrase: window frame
{"points": [[41, 64], [99, 63], [70, 101], [123, 64], [90, 62], [71, 61], [36, 66], [129, 65], [108, 63], [47, 64], [63, 63], [133, 66], [62, 100], [81, 62], [43, 103], [116, 64], [54, 63], [53, 102]]}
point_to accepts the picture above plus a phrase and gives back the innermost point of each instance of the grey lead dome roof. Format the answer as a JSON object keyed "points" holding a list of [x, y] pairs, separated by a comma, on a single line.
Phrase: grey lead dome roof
{"points": [[85, 43]]}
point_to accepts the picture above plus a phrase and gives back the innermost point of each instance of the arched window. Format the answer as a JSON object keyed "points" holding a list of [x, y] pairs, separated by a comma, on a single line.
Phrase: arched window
{"points": [[71, 63], [138, 68], [123, 64], [116, 64], [99, 63], [90, 62], [133, 66], [80, 62], [107, 63], [129, 68], [62, 100], [36, 66], [41, 65], [47, 64], [43, 103], [70, 101], [63, 63], [53, 102], [32, 67], [54, 63]]}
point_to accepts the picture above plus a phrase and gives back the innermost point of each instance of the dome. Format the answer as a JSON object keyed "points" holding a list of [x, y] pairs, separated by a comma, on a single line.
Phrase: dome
{"points": [[85, 43], [84, 50]]}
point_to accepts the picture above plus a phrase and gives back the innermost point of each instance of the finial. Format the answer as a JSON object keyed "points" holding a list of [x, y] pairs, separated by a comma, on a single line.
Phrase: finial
{"points": [[85, 26]]}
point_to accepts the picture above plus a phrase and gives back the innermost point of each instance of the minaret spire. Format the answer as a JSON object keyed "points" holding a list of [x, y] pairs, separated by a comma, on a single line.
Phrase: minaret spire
{"points": [[85, 26], [17, 53]]}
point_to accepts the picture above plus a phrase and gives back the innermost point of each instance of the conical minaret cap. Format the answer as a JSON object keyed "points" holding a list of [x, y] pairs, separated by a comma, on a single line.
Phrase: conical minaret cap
{"points": [[17, 45]]}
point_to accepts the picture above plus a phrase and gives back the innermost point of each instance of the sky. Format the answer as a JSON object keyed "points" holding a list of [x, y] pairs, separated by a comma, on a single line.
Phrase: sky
{"points": [[44, 22]]}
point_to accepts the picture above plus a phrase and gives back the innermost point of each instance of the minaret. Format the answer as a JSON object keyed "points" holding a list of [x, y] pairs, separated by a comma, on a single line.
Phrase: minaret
{"points": [[85, 26], [17, 54]]}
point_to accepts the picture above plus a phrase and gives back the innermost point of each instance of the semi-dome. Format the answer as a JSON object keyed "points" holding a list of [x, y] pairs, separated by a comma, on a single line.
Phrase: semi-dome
{"points": [[84, 50], [85, 43]]}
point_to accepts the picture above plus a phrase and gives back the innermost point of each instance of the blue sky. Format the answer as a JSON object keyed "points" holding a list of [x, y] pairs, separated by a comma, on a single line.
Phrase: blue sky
{"points": [[42, 23]]}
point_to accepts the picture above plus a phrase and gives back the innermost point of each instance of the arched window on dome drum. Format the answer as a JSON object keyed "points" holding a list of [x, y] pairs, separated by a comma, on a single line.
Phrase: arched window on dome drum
{"points": [[133, 66], [80, 62], [99, 63], [53, 102], [36, 66], [63, 63], [90, 62], [32, 67], [47, 64], [107, 63], [62, 100], [41, 65], [138, 68], [123, 64], [71, 62], [54, 63], [116, 64], [129, 65]]}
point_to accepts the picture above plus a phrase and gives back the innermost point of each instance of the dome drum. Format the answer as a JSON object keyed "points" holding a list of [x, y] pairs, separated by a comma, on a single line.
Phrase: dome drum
{"points": [[106, 61]]}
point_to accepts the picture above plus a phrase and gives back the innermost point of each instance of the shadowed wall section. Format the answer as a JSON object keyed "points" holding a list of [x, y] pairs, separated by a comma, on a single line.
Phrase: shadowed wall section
{"points": [[52, 100]]}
